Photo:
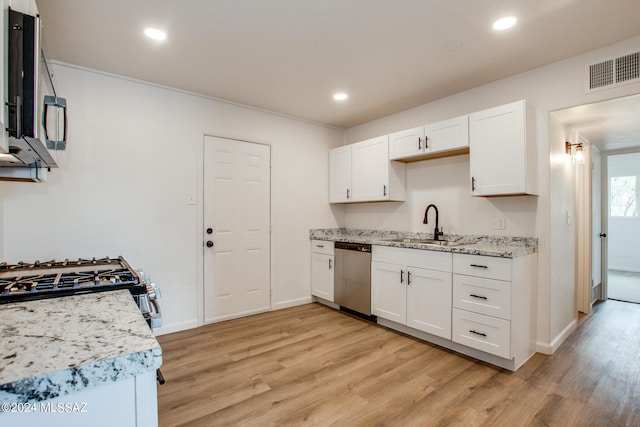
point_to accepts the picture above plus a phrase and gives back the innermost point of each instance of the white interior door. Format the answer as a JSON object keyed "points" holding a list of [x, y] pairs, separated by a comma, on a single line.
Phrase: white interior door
{"points": [[598, 229], [236, 228], [584, 229]]}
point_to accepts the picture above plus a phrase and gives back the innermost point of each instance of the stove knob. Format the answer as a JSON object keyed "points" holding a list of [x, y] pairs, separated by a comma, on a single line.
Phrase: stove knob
{"points": [[153, 291]]}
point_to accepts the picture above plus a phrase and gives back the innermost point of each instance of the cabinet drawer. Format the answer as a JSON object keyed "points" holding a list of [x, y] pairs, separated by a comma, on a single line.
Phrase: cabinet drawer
{"points": [[322, 247], [431, 260], [482, 266], [483, 296], [481, 332]]}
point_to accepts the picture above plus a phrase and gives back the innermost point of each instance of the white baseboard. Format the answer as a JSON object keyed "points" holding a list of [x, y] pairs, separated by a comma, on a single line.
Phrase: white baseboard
{"points": [[176, 327], [190, 324], [550, 348], [292, 303], [625, 269]]}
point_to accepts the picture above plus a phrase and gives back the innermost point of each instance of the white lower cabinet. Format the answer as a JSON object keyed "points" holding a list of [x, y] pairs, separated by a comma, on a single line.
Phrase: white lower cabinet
{"points": [[322, 264], [131, 402], [477, 305], [413, 288], [494, 305]]}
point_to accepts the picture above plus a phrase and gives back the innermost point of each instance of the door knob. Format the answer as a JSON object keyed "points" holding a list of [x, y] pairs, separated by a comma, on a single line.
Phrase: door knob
{"points": [[209, 244], [209, 230]]}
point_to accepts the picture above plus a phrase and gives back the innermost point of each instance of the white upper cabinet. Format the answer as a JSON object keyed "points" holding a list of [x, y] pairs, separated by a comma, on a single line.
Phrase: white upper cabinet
{"points": [[406, 143], [340, 175], [448, 137], [502, 151], [362, 172]]}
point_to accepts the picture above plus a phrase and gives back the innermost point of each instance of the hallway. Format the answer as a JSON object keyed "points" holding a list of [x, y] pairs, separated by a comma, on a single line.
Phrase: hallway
{"points": [[624, 286]]}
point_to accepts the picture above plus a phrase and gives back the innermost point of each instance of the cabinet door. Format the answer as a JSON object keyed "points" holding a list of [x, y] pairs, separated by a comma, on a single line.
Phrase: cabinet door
{"points": [[389, 291], [322, 276], [429, 301], [497, 150], [448, 135], [370, 169], [406, 143], [340, 174]]}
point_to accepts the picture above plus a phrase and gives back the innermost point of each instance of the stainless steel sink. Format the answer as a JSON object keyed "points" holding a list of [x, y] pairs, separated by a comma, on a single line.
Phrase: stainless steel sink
{"points": [[426, 241]]}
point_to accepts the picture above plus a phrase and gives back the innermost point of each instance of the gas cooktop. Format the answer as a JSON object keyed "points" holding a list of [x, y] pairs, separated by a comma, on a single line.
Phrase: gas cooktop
{"points": [[27, 281]]}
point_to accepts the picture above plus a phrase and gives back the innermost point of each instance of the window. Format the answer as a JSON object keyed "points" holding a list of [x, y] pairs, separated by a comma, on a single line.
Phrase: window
{"points": [[623, 196]]}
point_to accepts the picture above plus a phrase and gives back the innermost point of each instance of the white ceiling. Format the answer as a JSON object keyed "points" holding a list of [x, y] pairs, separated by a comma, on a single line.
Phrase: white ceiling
{"points": [[290, 56], [610, 125]]}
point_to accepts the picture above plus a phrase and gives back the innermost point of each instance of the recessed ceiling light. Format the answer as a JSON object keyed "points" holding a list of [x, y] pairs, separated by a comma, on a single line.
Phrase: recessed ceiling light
{"points": [[155, 34], [504, 23], [340, 96]]}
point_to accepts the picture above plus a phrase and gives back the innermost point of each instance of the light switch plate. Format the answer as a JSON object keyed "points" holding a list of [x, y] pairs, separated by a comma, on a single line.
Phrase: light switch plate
{"points": [[192, 199]]}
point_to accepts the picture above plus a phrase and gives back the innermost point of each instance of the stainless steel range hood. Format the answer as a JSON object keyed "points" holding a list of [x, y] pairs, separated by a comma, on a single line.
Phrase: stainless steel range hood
{"points": [[28, 160]]}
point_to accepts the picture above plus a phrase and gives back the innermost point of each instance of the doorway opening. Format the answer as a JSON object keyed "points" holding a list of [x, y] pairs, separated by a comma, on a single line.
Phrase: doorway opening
{"points": [[623, 182], [605, 130]]}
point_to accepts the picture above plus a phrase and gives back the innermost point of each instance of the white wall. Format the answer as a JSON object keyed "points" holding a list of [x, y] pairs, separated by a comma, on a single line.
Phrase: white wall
{"points": [[561, 297], [553, 87], [134, 152]]}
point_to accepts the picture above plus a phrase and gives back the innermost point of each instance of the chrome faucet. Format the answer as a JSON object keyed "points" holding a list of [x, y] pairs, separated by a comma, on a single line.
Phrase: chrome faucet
{"points": [[436, 233]]}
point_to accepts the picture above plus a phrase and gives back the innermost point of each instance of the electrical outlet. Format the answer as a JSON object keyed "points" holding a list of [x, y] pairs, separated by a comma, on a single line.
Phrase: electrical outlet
{"points": [[499, 223]]}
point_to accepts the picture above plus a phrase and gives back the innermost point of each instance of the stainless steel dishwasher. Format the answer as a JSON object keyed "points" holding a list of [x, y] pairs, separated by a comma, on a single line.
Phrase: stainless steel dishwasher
{"points": [[352, 277]]}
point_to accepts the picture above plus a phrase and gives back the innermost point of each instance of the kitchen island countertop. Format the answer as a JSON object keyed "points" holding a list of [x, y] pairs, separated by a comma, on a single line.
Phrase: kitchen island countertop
{"points": [[495, 246], [56, 346]]}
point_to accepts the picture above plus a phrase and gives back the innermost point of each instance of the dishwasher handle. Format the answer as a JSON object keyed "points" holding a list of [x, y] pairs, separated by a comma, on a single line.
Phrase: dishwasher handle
{"points": [[359, 247]]}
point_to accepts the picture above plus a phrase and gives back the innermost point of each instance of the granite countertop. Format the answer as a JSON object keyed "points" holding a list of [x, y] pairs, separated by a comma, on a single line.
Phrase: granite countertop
{"points": [[496, 246], [56, 346]]}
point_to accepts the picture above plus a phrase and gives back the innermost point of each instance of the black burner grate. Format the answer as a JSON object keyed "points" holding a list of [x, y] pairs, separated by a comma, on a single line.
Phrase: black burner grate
{"points": [[28, 281]]}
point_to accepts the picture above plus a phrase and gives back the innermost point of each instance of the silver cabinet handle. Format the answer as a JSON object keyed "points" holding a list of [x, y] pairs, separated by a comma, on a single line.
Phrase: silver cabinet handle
{"points": [[348, 194], [330, 263], [384, 190]]}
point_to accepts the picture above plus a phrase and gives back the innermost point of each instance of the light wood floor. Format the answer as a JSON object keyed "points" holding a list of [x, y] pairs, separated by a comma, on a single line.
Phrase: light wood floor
{"points": [[311, 365]]}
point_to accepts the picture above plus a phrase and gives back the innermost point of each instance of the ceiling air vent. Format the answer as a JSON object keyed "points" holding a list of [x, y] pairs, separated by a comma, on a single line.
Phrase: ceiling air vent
{"points": [[613, 72]]}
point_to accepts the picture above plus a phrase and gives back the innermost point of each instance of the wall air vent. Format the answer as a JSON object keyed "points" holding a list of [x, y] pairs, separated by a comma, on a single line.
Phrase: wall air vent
{"points": [[613, 72]]}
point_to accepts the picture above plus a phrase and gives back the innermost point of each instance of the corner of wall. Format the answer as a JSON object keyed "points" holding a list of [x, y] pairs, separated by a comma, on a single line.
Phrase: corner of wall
{"points": [[1, 221], [556, 342]]}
